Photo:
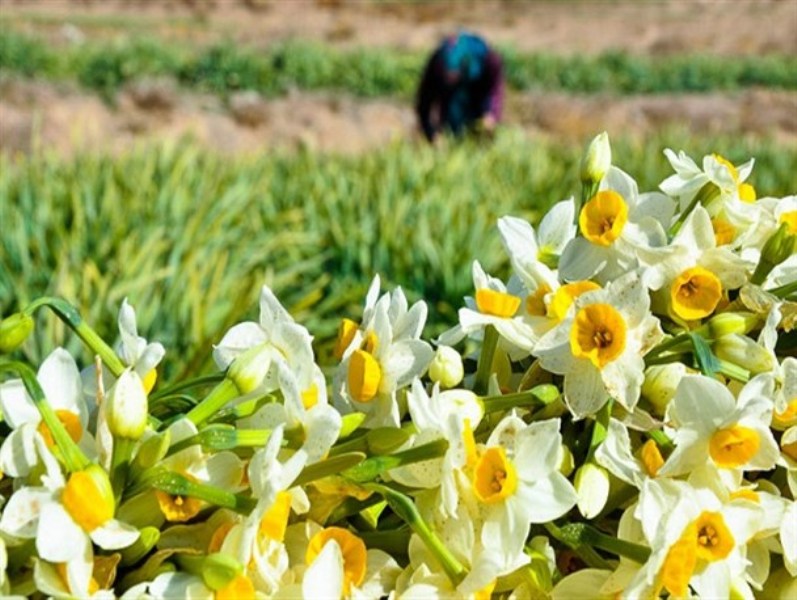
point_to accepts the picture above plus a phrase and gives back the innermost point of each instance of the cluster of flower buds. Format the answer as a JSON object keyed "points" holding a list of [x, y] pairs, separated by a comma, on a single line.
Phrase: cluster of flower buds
{"points": [[617, 419]]}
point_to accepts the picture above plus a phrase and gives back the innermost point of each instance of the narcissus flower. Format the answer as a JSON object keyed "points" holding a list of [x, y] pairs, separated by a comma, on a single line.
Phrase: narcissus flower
{"points": [[275, 336], [80, 508], [698, 540], [515, 478], [615, 225], [388, 358], [496, 304], [599, 346], [710, 425], [693, 275]]}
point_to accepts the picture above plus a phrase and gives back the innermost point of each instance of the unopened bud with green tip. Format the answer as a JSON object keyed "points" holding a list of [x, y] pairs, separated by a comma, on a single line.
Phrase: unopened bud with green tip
{"points": [[446, 367], [127, 407], [745, 352], [597, 160], [592, 489], [250, 368], [781, 245], [729, 322], [660, 384], [14, 330]]}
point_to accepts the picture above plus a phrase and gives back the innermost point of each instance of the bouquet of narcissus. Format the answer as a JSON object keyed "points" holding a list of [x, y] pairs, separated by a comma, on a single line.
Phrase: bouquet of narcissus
{"points": [[618, 419]]}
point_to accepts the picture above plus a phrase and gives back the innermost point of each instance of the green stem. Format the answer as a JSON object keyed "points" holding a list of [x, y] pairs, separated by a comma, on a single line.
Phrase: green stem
{"points": [[733, 371], [330, 466], [674, 342], [225, 391], [177, 485], [120, 464], [600, 429], [375, 466], [404, 507], [484, 368], [703, 195], [538, 396], [583, 551], [73, 456], [664, 360], [784, 290], [661, 439], [69, 315], [587, 534], [186, 385]]}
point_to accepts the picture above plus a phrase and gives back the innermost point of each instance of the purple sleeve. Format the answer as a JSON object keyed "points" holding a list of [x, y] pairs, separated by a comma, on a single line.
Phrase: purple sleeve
{"points": [[429, 94]]}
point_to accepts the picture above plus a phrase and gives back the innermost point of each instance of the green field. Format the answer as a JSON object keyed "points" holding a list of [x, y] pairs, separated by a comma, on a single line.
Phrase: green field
{"points": [[189, 237], [104, 66]]}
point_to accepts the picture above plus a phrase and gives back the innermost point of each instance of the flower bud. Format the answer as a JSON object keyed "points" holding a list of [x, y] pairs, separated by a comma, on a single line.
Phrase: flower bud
{"points": [[446, 367], [660, 384], [745, 352], [566, 461], [250, 368], [781, 245], [219, 569], [14, 330], [126, 408], [729, 322], [592, 489], [597, 159], [152, 450]]}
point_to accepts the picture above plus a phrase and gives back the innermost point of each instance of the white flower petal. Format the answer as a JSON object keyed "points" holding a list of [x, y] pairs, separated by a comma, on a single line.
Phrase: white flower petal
{"points": [[546, 499], [581, 260], [17, 406], [70, 541], [114, 535], [21, 514], [271, 310], [324, 577], [239, 338], [406, 360], [537, 449], [584, 390], [18, 453], [702, 402], [60, 380]]}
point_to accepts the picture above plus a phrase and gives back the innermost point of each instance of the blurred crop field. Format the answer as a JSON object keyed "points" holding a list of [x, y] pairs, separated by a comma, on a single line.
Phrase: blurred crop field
{"points": [[181, 154]]}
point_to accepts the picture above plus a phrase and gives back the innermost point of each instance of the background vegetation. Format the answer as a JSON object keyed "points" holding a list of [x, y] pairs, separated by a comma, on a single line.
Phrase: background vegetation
{"points": [[104, 66], [190, 236]]}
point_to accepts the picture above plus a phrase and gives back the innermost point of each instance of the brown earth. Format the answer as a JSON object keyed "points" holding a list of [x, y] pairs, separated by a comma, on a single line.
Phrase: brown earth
{"points": [[63, 118]]}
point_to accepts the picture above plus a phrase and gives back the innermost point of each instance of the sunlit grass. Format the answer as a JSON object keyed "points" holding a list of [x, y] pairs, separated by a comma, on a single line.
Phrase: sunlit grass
{"points": [[190, 236]]}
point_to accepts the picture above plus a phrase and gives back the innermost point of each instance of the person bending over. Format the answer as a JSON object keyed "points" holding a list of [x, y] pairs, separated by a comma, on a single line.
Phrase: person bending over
{"points": [[462, 87]]}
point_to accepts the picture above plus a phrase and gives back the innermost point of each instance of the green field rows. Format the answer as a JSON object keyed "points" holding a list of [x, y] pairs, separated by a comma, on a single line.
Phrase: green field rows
{"points": [[105, 66], [190, 236]]}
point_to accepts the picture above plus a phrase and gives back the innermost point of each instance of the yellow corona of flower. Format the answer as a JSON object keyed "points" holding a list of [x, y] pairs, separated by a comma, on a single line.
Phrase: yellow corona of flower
{"points": [[494, 476], [598, 333], [734, 446], [88, 498], [498, 304], [564, 296], [695, 293], [602, 219], [275, 520], [352, 549], [364, 376], [790, 218], [724, 232]]}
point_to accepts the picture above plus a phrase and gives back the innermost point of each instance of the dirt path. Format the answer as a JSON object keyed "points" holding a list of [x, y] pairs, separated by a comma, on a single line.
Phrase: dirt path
{"points": [[63, 118]]}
